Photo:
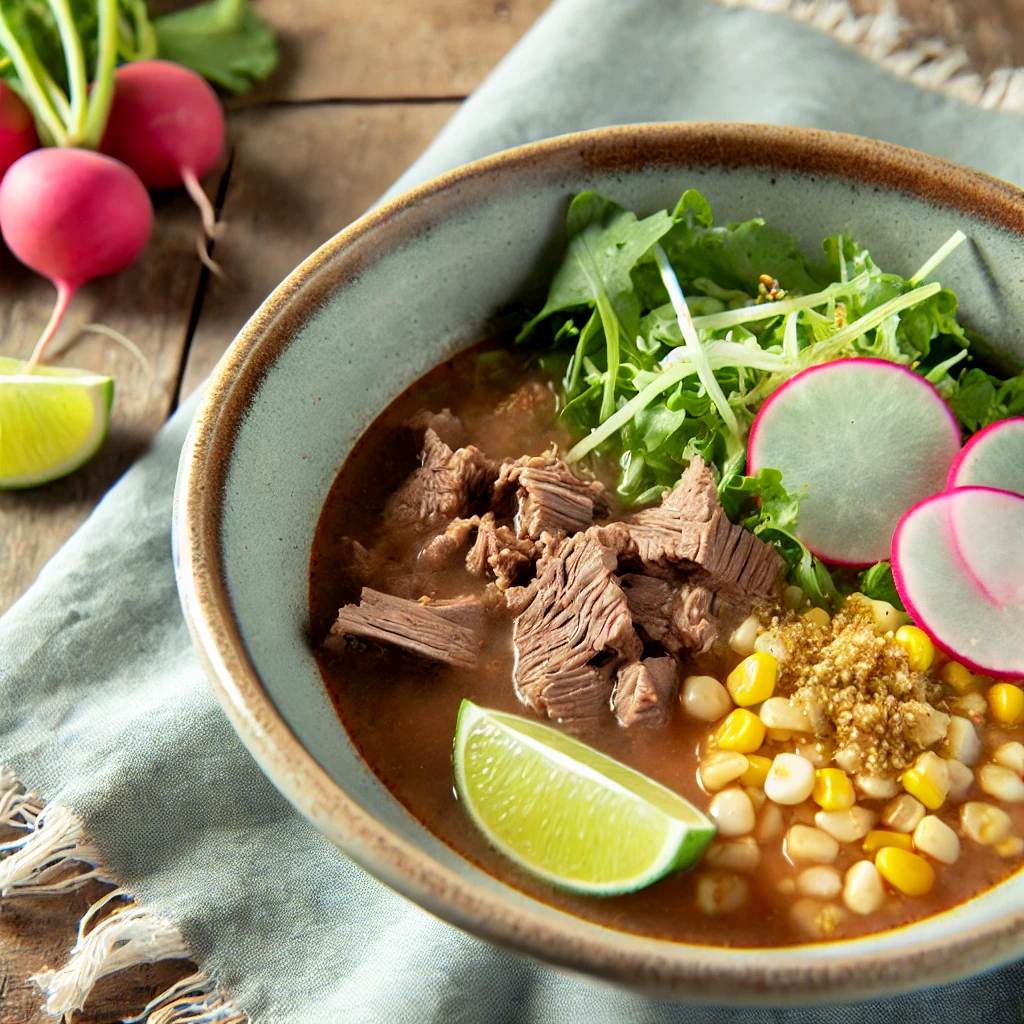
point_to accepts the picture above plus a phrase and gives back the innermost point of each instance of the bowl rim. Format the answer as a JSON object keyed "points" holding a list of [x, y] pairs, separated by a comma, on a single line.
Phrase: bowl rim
{"points": [[780, 974]]}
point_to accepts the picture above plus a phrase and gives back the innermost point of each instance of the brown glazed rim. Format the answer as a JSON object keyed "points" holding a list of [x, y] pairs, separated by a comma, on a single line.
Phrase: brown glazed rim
{"points": [[793, 974]]}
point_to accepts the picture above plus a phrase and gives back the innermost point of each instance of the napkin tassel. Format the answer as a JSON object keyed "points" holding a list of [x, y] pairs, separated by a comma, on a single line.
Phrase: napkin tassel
{"points": [[115, 933], [889, 39]]}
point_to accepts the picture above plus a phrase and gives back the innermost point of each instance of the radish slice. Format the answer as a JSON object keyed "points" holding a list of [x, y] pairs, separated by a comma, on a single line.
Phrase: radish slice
{"points": [[864, 439], [956, 560], [994, 457]]}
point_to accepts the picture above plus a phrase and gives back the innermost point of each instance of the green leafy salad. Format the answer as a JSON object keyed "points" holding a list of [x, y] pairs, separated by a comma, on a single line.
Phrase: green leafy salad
{"points": [[670, 331]]}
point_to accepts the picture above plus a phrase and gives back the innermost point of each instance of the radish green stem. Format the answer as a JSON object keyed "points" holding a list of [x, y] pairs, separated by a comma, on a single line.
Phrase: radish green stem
{"points": [[200, 198], [34, 91], [64, 296], [957, 238], [78, 79], [693, 345], [766, 310], [56, 96], [588, 332], [102, 94]]}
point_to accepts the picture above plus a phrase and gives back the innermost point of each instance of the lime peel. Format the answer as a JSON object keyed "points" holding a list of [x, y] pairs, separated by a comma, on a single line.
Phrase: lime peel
{"points": [[52, 421], [568, 813]]}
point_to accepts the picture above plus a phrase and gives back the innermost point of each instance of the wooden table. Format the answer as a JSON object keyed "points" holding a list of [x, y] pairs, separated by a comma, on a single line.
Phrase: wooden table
{"points": [[362, 89]]}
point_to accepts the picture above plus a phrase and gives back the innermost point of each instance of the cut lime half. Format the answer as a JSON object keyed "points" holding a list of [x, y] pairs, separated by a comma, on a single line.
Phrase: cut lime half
{"points": [[565, 811], [52, 420]]}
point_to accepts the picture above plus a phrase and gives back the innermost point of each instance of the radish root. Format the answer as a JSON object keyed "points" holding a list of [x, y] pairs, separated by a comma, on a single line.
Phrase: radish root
{"points": [[202, 200], [118, 338], [64, 297], [206, 259]]}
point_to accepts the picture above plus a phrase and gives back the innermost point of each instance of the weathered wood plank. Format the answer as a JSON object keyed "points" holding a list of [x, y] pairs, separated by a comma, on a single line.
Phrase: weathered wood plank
{"points": [[150, 303], [299, 175], [341, 49]]}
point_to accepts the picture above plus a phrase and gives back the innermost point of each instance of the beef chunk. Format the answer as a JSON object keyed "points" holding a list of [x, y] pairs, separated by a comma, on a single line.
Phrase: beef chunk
{"points": [[572, 632], [695, 626], [443, 549], [445, 487], [689, 531], [498, 548], [644, 691], [356, 562], [448, 427], [445, 631], [650, 603], [549, 495], [528, 405]]}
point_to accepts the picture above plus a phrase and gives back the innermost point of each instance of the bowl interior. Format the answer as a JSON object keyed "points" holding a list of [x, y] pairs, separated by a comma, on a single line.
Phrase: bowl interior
{"points": [[365, 318]]}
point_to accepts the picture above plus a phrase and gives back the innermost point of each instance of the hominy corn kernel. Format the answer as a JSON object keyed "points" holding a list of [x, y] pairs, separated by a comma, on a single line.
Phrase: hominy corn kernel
{"points": [[958, 677], [877, 839], [1010, 848], [757, 797], [875, 787], [770, 824], [818, 617], [848, 758], [927, 780], [920, 650], [1010, 755], [743, 855], [984, 823], [821, 881], [794, 597], [886, 618], [1006, 702], [935, 838], [778, 713], [719, 768], [741, 731], [906, 871], [962, 740], [847, 826], [804, 843], [744, 635], [815, 919], [971, 705], [753, 679], [721, 892], [732, 812], [863, 892], [833, 790], [705, 698], [790, 779], [961, 780], [903, 813], [1001, 782], [818, 752], [758, 767]]}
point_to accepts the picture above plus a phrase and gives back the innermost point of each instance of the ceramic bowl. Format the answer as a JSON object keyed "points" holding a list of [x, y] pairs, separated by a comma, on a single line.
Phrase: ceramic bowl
{"points": [[398, 292]]}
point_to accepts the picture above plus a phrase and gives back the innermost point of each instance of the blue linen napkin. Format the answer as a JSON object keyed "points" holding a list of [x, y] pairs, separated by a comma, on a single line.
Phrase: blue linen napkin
{"points": [[105, 709]]}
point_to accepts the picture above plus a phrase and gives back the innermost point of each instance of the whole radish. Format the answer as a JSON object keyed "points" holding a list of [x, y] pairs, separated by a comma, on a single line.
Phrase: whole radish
{"points": [[167, 125], [72, 215], [17, 129]]}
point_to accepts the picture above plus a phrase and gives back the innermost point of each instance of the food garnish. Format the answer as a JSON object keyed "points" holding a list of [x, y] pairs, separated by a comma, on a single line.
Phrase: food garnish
{"points": [[994, 457]]}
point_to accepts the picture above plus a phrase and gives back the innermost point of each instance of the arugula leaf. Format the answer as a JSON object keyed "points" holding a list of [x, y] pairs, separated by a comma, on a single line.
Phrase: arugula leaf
{"points": [[878, 584], [982, 399], [221, 39]]}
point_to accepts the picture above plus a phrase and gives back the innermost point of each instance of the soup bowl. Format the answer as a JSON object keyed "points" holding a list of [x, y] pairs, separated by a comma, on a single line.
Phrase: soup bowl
{"points": [[398, 292]]}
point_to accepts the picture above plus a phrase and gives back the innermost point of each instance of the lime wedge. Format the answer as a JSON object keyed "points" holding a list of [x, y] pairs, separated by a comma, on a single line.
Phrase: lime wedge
{"points": [[565, 811], [52, 420]]}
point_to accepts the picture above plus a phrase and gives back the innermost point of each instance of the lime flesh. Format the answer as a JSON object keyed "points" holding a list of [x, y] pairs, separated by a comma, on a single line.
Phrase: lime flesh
{"points": [[565, 811], [51, 421]]}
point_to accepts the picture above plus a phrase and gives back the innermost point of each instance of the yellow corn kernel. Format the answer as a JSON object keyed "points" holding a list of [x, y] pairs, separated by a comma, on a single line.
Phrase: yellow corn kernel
{"points": [[833, 790], [958, 677], [741, 731], [817, 616], [1006, 702], [753, 679], [920, 650], [757, 771], [906, 871], [878, 839], [927, 780]]}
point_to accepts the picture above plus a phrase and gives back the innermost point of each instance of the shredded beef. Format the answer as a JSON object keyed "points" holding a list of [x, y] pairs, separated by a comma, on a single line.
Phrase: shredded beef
{"points": [[445, 424], [572, 632], [448, 545], [498, 548], [680, 616], [549, 495], [644, 691], [445, 631], [690, 531], [356, 562], [650, 603], [445, 487]]}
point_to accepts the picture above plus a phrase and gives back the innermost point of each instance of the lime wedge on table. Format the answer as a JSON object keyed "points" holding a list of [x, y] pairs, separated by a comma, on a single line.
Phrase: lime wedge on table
{"points": [[565, 811], [51, 421]]}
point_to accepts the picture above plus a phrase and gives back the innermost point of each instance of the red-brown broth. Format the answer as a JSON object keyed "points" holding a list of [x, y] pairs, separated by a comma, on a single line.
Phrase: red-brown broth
{"points": [[400, 711]]}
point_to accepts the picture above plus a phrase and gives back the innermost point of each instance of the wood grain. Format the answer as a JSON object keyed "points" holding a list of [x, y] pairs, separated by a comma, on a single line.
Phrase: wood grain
{"points": [[299, 175]]}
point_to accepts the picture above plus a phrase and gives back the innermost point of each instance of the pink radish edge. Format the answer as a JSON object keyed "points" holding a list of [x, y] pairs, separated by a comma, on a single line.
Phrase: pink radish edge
{"points": [[954, 470], [912, 610], [752, 436]]}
